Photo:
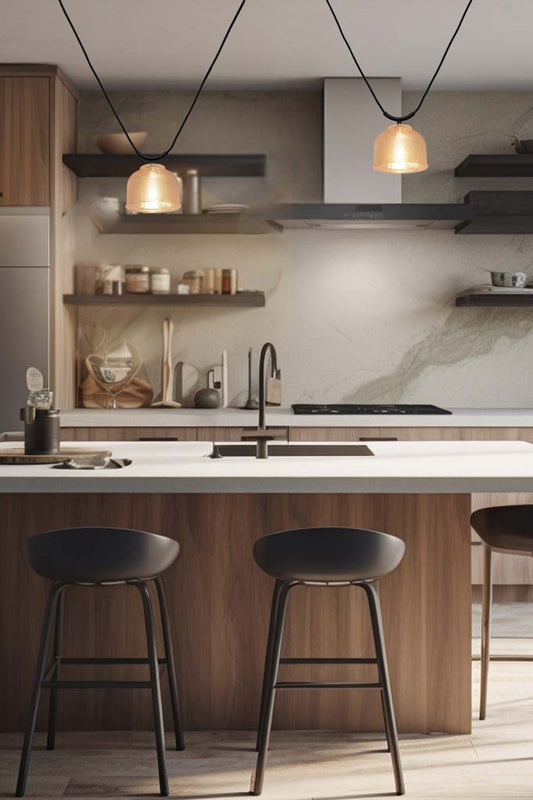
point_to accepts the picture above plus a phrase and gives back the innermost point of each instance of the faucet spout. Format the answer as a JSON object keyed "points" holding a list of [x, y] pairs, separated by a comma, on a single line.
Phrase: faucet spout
{"points": [[267, 349]]}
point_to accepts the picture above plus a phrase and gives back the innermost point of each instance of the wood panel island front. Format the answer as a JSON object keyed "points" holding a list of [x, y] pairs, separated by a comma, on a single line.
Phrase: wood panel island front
{"points": [[216, 509]]}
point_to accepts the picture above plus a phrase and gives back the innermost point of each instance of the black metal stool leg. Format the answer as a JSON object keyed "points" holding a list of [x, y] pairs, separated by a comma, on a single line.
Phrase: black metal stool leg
{"points": [[46, 629], [156, 688], [273, 669], [379, 641], [385, 720], [171, 668], [486, 611], [52, 705], [268, 655]]}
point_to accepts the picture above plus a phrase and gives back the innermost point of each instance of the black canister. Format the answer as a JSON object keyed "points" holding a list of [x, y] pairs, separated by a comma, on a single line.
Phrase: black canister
{"points": [[41, 431]]}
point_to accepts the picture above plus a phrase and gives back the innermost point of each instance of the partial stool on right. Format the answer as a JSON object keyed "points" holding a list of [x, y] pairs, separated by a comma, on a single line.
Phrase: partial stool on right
{"points": [[333, 557], [502, 529]]}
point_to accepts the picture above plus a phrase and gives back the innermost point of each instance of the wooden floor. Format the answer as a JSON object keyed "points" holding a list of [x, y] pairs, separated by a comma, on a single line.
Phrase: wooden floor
{"points": [[495, 761]]}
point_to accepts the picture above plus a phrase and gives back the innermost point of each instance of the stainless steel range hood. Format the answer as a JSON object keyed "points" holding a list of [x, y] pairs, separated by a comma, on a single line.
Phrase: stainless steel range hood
{"points": [[354, 195], [375, 216]]}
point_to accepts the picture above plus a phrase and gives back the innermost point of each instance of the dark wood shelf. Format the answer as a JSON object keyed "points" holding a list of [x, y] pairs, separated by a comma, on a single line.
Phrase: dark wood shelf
{"points": [[513, 165], [103, 165], [494, 299], [242, 299], [186, 223]]}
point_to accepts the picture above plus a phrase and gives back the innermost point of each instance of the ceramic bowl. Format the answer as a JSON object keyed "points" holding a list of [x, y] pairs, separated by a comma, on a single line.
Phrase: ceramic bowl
{"points": [[516, 280], [117, 144]]}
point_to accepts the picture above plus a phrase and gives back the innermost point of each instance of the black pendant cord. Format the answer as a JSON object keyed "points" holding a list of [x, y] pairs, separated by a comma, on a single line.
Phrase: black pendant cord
{"points": [[393, 117], [191, 107]]}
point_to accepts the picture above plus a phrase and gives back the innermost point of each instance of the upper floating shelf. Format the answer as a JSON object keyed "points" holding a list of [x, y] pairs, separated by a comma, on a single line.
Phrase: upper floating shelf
{"points": [[240, 299], [102, 165], [495, 300], [513, 165], [185, 223]]}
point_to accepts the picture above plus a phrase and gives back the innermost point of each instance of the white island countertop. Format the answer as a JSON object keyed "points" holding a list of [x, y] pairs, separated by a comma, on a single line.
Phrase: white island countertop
{"points": [[284, 417], [396, 467]]}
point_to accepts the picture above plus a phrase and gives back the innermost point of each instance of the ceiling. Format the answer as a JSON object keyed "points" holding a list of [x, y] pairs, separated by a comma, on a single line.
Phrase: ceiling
{"points": [[275, 44]]}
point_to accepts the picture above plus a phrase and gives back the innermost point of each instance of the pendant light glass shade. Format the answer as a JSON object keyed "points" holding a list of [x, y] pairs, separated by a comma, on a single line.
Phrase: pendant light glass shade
{"points": [[400, 149], [153, 190]]}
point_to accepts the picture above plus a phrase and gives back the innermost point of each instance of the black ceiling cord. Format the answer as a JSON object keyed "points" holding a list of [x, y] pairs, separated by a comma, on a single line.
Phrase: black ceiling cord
{"points": [[191, 107], [393, 117]]}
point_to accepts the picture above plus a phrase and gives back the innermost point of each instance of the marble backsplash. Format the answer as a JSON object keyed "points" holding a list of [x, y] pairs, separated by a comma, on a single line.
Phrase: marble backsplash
{"points": [[364, 316]]}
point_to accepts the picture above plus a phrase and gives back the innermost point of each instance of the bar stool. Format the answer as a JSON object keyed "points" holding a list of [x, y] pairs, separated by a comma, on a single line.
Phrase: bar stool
{"points": [[325, 557], [99, 557], [503, 529]]}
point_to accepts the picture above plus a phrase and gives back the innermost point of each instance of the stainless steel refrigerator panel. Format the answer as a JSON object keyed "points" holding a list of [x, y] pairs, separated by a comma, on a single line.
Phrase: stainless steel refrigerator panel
{"points": [[24, 315], [24, 238]]}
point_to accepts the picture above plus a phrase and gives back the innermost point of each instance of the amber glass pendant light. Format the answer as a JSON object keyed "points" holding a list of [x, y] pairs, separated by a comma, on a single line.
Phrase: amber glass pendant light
{"points": [[153, 190], [400, 148]]}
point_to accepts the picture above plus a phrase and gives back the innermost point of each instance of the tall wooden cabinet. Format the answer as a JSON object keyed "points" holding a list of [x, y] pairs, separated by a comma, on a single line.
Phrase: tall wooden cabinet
{"points": [[24, 141], [38, 123]]}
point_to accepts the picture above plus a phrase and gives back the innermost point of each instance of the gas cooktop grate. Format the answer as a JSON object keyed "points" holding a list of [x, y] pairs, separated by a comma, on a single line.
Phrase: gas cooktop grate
{"points": [[349, 408]]}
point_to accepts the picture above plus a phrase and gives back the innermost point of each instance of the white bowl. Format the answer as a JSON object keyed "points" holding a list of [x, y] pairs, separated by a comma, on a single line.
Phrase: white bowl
{"points": [[117, 144]]}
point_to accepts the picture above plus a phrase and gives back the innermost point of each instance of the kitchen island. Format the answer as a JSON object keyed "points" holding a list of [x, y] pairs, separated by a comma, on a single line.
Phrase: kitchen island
{"points": [[216, 509]]}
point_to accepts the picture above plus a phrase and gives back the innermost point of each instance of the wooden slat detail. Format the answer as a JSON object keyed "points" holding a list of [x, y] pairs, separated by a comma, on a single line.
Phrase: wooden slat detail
{"points": [[220, 604]]}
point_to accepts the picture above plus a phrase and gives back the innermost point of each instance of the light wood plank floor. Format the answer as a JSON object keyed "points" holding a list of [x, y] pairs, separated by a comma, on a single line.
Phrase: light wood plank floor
{"points": [[496, 761]]}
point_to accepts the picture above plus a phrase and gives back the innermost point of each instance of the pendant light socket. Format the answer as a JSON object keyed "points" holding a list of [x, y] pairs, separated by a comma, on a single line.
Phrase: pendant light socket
{"points": [[152, 189], [400, 149]]}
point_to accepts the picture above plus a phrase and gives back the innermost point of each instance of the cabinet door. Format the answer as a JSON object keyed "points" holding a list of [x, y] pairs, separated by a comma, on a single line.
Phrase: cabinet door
{"points": [[123, 434], [24, 141]]}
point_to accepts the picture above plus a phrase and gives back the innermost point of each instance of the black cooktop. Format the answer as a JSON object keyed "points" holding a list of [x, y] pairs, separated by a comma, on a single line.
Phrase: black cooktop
{"points": [[348, 408]]}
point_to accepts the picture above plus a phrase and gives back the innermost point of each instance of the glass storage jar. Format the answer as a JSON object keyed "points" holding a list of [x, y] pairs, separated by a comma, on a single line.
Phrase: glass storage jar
{"points": [[137, 279], [159, 280]]}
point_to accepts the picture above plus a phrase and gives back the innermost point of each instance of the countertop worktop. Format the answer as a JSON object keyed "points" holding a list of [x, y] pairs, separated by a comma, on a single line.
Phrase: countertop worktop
{"points": [[396, 467], [236, 417]]}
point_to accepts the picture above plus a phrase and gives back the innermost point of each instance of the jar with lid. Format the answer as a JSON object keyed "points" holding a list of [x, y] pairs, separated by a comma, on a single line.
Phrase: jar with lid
{"points": [[193, 279], [159, 280], [137, 279]]}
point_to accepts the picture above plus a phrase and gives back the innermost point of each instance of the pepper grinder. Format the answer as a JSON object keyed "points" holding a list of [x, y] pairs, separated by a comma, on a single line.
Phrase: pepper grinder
{"points": [[252, 403]]}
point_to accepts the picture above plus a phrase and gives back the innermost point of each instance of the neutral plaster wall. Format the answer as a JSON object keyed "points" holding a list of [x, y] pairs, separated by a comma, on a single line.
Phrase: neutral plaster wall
{"points": [[355, 315]]}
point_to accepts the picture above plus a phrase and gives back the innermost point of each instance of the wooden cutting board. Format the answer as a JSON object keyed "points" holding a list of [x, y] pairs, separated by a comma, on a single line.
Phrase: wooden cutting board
{"points": [[16, 455]]}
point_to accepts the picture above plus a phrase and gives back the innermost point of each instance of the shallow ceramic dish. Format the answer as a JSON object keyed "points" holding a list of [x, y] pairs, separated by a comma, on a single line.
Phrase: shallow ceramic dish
{"points": [[117, 144], [516, 280]]}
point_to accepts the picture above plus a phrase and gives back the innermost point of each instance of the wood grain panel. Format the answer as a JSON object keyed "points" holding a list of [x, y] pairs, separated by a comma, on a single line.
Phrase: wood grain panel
{"points": [[24, 141], [122, 434], [64, 110], [220, 604]]}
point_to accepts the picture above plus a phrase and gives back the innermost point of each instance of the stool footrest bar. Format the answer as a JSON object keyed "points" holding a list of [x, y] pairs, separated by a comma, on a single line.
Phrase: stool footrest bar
{"points": [[96, 685], [109, 661], [328, 661], [325, 685]]}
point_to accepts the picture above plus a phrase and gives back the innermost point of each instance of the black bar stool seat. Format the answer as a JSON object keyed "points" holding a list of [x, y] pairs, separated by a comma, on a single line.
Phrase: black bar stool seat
{"points": [[95, 557], [101, 555], [503, 529], [328, 555], [332, 557]]}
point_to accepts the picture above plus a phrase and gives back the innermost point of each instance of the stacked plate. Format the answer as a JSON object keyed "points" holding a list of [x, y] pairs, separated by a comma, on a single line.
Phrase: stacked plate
{"points": [[227, 208]]}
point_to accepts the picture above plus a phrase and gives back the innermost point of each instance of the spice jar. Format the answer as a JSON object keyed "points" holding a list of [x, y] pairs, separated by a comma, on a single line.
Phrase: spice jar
{"points": [[159, 280], [137, 279], [229, 281], [193, 279], [208, 283], [218, 281]]}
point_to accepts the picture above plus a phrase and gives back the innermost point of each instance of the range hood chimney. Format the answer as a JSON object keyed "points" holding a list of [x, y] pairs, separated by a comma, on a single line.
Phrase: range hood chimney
{"points": [[351, 123]]}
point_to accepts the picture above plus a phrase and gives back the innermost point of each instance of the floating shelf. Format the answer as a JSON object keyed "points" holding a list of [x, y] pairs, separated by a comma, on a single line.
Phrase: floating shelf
{"points": [[186, 223], [103, 165], [241, 299], [499, 166], [494, 299]]}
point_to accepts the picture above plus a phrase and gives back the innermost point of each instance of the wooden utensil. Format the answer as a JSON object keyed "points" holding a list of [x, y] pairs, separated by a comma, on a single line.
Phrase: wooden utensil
{"points": [[166, 369]]}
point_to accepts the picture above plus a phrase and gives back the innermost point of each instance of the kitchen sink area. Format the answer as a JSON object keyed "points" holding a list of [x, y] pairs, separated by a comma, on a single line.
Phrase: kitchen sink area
{"points": [[313, 450]]}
